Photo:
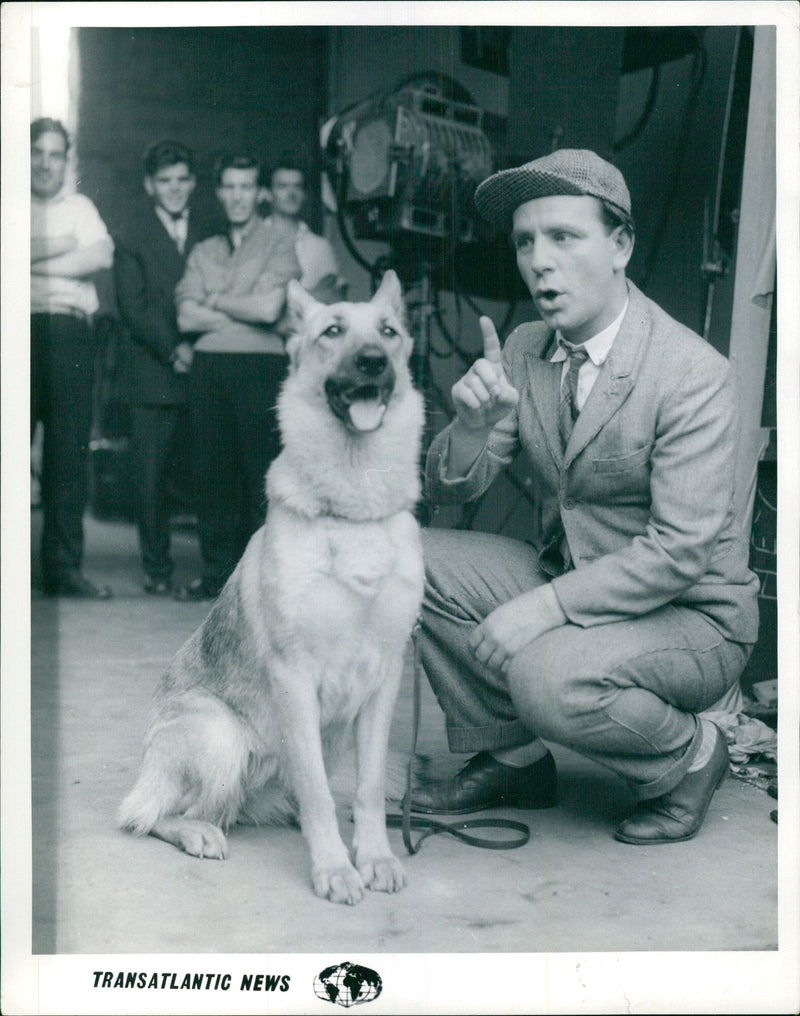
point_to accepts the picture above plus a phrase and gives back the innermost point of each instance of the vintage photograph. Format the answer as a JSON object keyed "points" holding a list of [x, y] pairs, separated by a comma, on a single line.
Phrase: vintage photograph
{"points": [[403, 495]]}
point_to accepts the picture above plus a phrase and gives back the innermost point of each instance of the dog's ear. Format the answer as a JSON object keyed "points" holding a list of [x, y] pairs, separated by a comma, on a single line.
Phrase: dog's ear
{"points": [[293, 352], [390, 294], [299, 307], [299, 303]]}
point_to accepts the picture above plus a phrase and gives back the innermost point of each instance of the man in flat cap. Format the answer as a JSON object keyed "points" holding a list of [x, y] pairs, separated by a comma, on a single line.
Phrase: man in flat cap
{"points": [[632, 609]]}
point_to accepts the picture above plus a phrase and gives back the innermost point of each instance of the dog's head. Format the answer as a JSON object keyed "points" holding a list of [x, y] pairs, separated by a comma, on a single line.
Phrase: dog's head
{"points": [[354, 355]]}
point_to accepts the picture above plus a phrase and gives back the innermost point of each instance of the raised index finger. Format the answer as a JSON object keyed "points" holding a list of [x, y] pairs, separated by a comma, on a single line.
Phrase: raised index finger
{"points": [[491, 341]]}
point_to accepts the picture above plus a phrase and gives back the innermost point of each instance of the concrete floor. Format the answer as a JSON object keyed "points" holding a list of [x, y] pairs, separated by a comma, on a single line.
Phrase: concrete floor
{"points": [[571, 888]]}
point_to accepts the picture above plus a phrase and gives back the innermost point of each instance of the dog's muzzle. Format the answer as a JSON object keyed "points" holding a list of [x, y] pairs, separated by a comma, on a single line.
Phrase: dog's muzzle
{"points": [[359, 392]]}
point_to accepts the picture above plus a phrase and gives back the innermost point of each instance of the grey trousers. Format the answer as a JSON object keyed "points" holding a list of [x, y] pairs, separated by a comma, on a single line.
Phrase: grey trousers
{"points": [[624, 694]]}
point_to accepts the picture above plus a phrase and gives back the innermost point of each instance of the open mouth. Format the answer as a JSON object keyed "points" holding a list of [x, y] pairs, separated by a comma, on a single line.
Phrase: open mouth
{"points": [[547, 297], [361, 407]]}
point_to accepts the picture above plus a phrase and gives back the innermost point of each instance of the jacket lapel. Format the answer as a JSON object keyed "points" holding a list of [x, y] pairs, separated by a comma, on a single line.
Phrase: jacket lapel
{"points": [[193, 235], [615, 380], [165, 245], [545, 384]]}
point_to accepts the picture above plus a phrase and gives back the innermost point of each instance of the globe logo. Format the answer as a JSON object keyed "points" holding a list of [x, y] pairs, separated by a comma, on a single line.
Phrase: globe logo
{"points": [[347, 984]]}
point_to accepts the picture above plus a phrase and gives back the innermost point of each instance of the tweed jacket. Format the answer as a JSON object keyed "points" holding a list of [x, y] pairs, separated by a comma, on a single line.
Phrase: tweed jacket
{"points": [[147, 268], [644, 488]]}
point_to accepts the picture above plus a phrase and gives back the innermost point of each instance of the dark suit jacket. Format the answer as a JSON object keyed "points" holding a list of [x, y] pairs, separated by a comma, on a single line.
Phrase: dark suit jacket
{"points": [[147, 268], [644, 490]]}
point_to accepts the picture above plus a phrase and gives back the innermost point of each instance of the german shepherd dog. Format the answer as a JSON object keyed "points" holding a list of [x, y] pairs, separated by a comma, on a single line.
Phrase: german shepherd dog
{"points": [[307, 637]]}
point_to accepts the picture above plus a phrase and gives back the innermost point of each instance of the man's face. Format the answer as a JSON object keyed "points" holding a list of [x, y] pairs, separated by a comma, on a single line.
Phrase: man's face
{"points": [[239, 193], [48, 164], [288, 191], [171, 187], [570, 262]]}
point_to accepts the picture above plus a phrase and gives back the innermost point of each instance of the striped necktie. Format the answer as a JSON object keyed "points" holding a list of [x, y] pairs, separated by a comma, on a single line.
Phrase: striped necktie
{"points": [[568, 405]]}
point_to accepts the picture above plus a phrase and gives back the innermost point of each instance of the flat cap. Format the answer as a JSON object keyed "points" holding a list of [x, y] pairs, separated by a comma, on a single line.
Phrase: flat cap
{"points": [[574, 171]]}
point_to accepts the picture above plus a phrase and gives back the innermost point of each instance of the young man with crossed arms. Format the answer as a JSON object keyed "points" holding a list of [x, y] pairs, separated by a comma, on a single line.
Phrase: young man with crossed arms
{"points": [[69, 245], [233, 294]]}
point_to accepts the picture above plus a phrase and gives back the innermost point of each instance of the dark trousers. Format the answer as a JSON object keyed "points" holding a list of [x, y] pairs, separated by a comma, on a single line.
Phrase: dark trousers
{"points": [[62, 379], [232, 399], [153, 433]]}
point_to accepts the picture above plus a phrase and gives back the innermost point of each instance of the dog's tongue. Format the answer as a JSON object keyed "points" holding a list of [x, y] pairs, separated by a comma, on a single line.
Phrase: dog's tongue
{"points": [[366, 414]]}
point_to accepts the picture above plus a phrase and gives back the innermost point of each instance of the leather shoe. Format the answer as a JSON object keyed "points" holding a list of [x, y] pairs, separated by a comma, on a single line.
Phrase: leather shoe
{"points": [[486, 783], [678, 815], [196, 591], [74, 584], [157, 587]]}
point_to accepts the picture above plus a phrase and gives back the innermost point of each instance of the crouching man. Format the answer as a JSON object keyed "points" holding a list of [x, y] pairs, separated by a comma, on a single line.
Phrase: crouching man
{"points": [[632, 609]]}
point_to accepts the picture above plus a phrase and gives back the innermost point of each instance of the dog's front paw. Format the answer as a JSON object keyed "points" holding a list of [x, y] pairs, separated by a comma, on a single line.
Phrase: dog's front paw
{"points": [[342, 884], [202, 839], [198, 838], [382, 874]]}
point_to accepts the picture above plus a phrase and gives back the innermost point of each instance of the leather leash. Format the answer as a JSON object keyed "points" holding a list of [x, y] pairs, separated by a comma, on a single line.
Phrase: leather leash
{"points": [[407, 822]]}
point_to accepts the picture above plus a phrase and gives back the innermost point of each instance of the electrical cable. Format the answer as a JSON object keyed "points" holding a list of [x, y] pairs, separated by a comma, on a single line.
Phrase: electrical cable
{"points": [[699, 65], [478, 311], [452, 348], [713, 226], [761, 497], [512, 309], [341, 221], [456, 349], [725, 129], [647, 112], [450, 88]]}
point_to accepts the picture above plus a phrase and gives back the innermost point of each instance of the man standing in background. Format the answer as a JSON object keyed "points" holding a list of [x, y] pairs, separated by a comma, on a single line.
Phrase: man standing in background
{"points": [[287, 197], [233, 293], [149, 261], [69, 243]]}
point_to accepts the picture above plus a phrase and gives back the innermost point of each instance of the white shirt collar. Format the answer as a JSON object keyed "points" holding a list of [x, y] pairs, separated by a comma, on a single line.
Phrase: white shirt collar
{"points": [[168, 220], [57, 198], [242, 234], [300, 226], [599, 346]]}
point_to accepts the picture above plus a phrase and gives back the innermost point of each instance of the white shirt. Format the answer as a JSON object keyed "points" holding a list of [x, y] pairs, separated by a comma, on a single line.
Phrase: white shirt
{"points": [[598, 348], [315, 254], [65, 215]]}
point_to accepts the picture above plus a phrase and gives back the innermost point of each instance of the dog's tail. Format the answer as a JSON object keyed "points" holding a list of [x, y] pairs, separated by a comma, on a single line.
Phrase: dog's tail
{"points": [[157, 793], [195, 764]]}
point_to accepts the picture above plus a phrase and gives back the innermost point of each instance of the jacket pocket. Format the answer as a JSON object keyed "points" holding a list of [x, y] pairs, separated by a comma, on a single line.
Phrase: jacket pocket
{"points": [[623, 463]]}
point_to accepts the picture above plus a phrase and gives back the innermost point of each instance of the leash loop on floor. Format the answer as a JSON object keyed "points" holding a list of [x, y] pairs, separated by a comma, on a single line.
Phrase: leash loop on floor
{"points": [[456, 829], [432, 826]]}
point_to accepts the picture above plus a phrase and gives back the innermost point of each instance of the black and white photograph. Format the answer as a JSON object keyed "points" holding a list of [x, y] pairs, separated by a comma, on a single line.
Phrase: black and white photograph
{"points": [[400, 580]]}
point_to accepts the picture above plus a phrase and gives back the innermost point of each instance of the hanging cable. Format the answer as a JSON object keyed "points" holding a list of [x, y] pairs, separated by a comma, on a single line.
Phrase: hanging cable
{"points": [[647, 112], [713, 265], [455, 347], [699, 64], [341, 221]]}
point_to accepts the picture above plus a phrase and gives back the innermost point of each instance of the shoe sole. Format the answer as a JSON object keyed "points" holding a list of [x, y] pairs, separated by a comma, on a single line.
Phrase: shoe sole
{"points": [[527, 806], [639, 842], [635, 841]]}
